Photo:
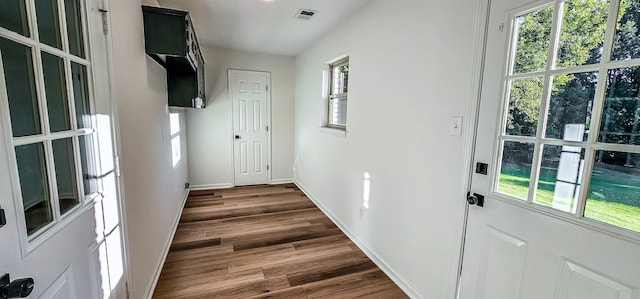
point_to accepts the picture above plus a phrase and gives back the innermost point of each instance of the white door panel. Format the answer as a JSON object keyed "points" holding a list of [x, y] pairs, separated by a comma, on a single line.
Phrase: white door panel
{"points": [[520, 248], [250, 97], [62, 288]]}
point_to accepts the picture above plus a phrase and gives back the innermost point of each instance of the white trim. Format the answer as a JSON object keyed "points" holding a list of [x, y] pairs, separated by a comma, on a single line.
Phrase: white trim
{"points": [[333, 131], [366, 250], [282, 181], [211, 186], [470, 128], [167, 246], [115, 126]]}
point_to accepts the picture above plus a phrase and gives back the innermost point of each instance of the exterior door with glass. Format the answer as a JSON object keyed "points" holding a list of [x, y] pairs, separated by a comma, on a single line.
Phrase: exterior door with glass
{"points": [[559, 127], [58, 186]]}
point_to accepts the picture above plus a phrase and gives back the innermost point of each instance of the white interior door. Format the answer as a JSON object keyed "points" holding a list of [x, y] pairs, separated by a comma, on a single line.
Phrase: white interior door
{"points": [[558, 126], [58, 180], [250, 96]]}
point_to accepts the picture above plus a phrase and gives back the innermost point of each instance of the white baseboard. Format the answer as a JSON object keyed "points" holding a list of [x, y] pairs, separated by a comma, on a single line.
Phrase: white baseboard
{"points": [[374, 258], [167, 246], [211, 186], [281, 181]]}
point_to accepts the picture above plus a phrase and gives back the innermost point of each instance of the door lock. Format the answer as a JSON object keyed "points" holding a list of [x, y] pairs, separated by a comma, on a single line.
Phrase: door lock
{"points": [[475, 199], [19, 288], [237, 136]]}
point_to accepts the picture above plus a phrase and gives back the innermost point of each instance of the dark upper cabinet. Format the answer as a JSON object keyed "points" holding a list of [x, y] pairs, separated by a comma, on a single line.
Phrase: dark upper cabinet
{"points": [[171, 41]]}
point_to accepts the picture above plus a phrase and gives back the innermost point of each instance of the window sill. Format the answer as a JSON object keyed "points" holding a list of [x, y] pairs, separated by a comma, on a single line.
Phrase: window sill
{"points": [[334, 131]]}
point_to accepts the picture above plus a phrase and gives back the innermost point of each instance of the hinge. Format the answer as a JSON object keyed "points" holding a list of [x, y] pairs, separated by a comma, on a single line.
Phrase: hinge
{"points": [[116, 162], [105, 23], [267, 167], [267, 128], [267, 87]]}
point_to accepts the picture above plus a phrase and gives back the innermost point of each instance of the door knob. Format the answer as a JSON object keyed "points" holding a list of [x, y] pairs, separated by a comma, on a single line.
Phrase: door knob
{"points": [[237, 136], [19, 288], [475, 199]]}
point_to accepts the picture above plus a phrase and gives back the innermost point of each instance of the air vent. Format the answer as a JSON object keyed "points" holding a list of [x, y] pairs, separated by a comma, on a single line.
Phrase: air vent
{"points": [[305, 14]]}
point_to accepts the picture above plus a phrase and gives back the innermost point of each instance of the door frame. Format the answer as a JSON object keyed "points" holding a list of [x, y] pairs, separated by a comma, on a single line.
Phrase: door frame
{"points": [[470, 128], [232, 118], [117, 150]]}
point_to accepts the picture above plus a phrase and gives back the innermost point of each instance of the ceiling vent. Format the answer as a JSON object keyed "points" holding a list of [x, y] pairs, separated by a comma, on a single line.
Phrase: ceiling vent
{"points": [[305, 14]]}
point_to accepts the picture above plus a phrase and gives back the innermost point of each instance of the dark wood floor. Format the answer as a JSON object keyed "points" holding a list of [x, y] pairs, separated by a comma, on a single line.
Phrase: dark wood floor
{"points": [[265, 242]]}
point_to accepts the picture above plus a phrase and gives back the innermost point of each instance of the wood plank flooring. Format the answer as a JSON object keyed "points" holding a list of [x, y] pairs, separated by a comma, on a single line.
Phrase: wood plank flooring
{"points": [[265, 242]]}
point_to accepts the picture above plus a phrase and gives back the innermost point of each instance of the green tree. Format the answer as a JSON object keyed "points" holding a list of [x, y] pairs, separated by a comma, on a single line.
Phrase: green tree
{"points": [[581, 42]]}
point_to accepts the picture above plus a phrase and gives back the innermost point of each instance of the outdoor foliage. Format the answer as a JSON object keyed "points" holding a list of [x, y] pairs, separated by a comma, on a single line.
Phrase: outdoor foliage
{"points": [[581, 42]]}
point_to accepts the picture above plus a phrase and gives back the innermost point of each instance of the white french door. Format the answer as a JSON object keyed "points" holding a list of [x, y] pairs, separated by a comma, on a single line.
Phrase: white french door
{"points": [[558, 126], [250, 95], [58, 180]]}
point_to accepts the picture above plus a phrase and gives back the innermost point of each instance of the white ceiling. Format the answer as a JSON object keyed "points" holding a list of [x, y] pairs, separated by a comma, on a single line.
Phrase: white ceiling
{"points": [[263, 26]]}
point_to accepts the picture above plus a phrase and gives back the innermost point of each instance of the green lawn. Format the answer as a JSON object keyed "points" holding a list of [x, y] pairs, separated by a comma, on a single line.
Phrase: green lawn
{"points": [[614, 196]]}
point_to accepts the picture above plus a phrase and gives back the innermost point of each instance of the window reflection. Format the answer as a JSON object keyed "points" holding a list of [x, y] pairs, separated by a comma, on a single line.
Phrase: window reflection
{"points": [[560, 177], [525, 96], [21, 90], [48, 22], [614, 192], [620, 119], [515, 169], [13, 16], [64, 161], [532, 46], [626, 43], [34, 186], [570, 106]]}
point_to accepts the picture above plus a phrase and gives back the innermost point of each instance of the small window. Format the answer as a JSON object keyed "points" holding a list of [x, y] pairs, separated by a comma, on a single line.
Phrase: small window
{"points": [[338, 87]]}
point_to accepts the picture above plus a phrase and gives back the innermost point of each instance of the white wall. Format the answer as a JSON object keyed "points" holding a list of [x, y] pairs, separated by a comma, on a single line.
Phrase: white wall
{"points": [[153, 188], [209, 129], [410, 71]]}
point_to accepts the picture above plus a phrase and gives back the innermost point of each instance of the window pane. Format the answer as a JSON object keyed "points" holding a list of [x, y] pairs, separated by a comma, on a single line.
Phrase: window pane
{"points": [[614, 193], [64, 161], [570, 106], [87, 159], [515, 169], [620, 118], [23, 102], [582, 35], [48, 22], [532, 41], [74, 27], [81, 95], [34, 186], [13, 16], [524, 103], [560, 177], [340, 79], [338, 113], [627, 39], [56, 91]]}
